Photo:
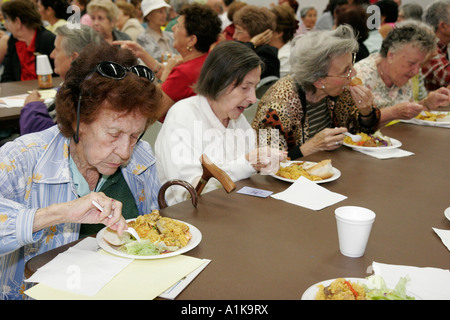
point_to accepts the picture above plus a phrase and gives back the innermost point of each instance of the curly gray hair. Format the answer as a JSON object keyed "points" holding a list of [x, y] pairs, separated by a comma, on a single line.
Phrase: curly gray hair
{"points": [[409, 32], [437, 12], [312, 53]]}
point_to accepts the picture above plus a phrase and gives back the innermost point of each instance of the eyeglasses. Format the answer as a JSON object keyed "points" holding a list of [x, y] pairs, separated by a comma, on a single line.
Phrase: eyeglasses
{"points": [[116, 71], [112, 70], [350, 70]]}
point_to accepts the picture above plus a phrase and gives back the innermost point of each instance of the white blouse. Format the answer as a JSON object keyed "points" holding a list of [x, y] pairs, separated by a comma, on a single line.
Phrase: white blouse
{"points": [[191, 129]]}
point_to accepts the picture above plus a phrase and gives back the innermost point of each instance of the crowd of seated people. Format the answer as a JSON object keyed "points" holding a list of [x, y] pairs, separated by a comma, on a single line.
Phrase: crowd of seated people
{"points": [[196, 78]]}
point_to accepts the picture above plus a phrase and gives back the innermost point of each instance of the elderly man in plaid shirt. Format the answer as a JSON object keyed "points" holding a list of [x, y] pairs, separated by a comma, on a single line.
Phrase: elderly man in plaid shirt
{"points": [[437, 69]]}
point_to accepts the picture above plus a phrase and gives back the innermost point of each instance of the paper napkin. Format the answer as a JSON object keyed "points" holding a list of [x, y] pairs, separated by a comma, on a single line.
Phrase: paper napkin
{"points": [[444, 235], [308, 194], [79, 271], [426, 283], [139, 279], [387, 154]]}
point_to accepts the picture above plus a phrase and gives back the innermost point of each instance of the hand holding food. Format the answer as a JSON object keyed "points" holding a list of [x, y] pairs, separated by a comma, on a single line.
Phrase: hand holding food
{"points": [[266, 159], [158, 235], [363, 98]]}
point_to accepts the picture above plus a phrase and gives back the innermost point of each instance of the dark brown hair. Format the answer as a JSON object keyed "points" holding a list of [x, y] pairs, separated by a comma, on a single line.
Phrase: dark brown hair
{"points": [[203, 22], [25, 10], [131, 94]]}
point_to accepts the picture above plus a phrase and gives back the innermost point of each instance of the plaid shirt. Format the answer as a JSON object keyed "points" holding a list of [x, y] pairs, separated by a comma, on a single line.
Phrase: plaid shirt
{"points": [[437, 69]]}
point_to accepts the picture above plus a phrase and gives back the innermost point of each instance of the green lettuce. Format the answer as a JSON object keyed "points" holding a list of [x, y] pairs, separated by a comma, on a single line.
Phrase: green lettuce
{"points": [[376, 289]]}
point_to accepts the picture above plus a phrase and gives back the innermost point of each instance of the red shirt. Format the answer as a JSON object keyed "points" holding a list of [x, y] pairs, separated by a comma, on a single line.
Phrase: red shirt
{"points": [[178, 84], [27, 59], [437, 69]]}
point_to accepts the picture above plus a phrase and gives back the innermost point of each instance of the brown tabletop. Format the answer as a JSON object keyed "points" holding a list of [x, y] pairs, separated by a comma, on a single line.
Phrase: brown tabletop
{"points": [[9, 117], [269, 249]]}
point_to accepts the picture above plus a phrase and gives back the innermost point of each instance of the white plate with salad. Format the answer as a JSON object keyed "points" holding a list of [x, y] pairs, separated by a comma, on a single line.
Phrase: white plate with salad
{"points": [[375, 287], [146, 246]]}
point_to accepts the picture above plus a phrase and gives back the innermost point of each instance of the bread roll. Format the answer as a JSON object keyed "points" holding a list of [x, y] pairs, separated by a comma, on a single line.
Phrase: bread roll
{"points": [[356, 82], [323, 169], [113, 238]]}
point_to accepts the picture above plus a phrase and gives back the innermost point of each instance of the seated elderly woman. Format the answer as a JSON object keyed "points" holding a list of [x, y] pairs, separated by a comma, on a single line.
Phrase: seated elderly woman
{"points": [[212, 123], [312, 108], [49, 179], [155, 40], [286, 26], [28, 36], [196, 30], [254, 26], [104, 16], [393, 74]]}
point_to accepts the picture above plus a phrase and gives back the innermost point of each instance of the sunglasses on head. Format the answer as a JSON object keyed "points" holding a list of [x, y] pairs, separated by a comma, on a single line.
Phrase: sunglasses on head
{"points": [[112, 70]]}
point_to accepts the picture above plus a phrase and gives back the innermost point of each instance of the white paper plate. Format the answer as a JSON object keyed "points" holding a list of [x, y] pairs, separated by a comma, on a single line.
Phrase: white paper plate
{"points": [[193, 242], [335, 176], [310, 293], [395, 144], [426, 122]]}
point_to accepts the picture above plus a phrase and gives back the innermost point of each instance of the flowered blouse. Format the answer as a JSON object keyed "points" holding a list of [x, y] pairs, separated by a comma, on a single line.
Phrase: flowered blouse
{"points": [[35, 173], [413, 90]]}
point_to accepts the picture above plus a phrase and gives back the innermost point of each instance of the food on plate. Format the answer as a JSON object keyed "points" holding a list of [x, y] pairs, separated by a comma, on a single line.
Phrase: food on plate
{"points": [[370, 140], [315, 172], [341, 289], [158, 235], [374, 288], [434, 116], [113, 238], [356, 82]]}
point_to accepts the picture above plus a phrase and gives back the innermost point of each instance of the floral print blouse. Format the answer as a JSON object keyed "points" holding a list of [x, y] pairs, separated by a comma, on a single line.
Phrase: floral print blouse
{"points": [[413, 90]]}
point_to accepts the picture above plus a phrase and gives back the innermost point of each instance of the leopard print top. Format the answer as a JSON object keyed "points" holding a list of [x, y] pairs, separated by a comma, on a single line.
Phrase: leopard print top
{"points": [[280, 108]]}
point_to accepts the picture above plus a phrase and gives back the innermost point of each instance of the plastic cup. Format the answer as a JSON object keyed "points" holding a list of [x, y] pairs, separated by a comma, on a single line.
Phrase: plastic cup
{"points": [[43, 66], [44, 72], [353, 225]]}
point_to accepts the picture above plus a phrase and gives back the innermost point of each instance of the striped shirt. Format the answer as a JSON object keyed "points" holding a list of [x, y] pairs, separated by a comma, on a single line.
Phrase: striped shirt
{"points": [[318, 117]]}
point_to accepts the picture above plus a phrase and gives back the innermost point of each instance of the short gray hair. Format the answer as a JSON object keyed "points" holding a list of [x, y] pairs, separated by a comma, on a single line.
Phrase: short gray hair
{"points": [[74, 40], [304, 11], [437, 12], [312, 53], [412, 32]]}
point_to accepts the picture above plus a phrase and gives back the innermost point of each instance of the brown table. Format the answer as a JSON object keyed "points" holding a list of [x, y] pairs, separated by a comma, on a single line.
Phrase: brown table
{"points": [[9, 117], [269, 249]]}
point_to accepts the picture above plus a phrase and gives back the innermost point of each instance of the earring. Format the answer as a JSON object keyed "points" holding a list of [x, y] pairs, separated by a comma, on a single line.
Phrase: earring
{"points": [[189, 49], [323, 86]]}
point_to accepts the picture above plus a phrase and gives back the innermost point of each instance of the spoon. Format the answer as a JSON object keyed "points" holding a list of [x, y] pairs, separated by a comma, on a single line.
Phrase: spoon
{"points": [[130, 230], [354, 137]]}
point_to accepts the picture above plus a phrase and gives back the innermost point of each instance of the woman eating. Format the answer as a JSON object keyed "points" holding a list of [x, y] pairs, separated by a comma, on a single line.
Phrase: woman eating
{"points": [[49, 179], [313, 107], [394, 76], [212, 123]]}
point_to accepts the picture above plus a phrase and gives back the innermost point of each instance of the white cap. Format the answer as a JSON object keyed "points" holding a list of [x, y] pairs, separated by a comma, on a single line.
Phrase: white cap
{"points": [[43, 66], [148, 6]]}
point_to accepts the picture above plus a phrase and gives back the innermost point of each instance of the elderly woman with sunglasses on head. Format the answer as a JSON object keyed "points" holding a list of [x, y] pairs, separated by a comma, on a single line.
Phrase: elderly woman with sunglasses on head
{"points": [[394, 75], [314, 107], [49, 180], [212, 123]]}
